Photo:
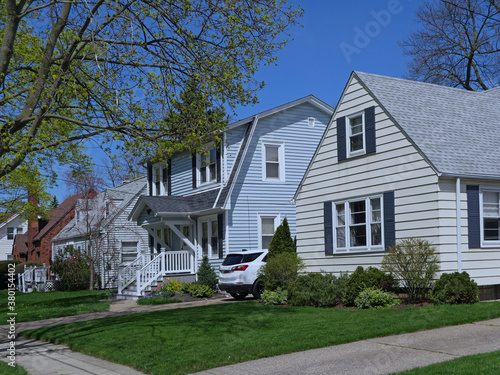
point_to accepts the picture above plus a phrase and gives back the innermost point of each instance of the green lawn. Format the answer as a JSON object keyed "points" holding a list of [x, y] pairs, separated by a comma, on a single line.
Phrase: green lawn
{"points": [[181, 341], [480, 364], [40, 305], [5, 369]]}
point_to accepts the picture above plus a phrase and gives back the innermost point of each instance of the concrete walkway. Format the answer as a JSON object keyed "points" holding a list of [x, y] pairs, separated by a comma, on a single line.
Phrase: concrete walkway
{"points": [[374, 356], [43, 358], [383, 355]]}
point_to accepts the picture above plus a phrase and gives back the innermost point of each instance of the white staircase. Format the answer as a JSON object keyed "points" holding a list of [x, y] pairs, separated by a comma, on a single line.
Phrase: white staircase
{"points": [[140, 276]]}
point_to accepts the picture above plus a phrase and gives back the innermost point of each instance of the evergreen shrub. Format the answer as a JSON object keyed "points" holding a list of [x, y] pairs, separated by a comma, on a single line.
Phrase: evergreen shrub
{"points": [[370, 278], [316, 289], [455, 288], [280, 270], [206, 274]]}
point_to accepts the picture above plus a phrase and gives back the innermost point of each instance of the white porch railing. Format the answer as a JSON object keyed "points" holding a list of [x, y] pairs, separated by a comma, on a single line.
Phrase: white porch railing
{"points": [[127, 275], [32, 278], [145, 273]]}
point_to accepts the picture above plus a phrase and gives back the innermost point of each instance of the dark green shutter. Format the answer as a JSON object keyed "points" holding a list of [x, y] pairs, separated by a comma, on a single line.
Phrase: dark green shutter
{"points": [[473, 216], [328, 218], [341, 139], [370, 130], [169, 177], [389, 220]]}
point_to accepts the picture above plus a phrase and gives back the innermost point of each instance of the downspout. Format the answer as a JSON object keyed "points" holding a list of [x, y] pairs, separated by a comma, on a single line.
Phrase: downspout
{"points": [[459, 227]]}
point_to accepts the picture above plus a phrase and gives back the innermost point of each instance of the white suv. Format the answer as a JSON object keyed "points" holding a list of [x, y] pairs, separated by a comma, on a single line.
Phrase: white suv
{"points": [[238, 274]]}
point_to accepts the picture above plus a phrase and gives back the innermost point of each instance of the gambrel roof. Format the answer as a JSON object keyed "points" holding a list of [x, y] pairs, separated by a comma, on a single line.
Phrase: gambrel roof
{"points": [[456, 130]]}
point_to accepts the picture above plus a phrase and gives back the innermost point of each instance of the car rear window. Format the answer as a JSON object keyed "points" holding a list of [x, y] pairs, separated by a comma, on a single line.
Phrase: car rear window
{"points": [[240, 258]]}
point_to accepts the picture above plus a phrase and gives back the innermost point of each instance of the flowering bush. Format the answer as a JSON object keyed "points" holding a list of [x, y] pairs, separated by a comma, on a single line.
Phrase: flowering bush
{"points": [[73, 268]]}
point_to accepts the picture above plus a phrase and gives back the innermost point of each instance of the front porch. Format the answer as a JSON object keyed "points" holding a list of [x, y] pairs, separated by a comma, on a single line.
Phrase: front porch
{"points": [[181, 232]]}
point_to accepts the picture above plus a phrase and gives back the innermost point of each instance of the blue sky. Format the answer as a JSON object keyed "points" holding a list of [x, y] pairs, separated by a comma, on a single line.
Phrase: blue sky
{"points": [[336, 37]]}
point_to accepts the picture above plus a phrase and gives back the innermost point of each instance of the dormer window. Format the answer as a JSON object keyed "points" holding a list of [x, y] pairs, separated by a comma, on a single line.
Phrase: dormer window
{"points": [[159, 181], [356, 138]]}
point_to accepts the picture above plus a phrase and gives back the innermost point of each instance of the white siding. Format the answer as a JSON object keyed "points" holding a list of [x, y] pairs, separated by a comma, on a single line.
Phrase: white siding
{"points": [[483, 264], [396, 166], [5, 244]]}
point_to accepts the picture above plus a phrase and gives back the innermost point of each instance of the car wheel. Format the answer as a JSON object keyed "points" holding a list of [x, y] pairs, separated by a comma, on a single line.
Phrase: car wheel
{"points": [[238, 296], [257, 289]]}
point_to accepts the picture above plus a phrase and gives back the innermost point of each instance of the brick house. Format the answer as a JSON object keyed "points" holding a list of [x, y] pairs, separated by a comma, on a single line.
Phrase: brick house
{"points": [[36, 244]]}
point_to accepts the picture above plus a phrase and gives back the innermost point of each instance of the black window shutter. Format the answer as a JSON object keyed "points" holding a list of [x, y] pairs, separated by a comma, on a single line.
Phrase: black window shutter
{"points": [[193, 165], [220, 234], [169, 177], [150, 179], [473, 216], [389, 220], [328, 217], [341, 139], [370, 129], [218, 157]]}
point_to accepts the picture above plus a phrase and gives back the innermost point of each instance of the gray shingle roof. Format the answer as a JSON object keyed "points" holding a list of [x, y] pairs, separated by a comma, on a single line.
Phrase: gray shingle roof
{"points": [[182, 205], [121, 196], [457, 130]]}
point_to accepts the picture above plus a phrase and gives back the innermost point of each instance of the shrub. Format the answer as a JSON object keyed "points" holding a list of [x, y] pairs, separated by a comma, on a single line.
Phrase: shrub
{"points": [[73, 268], [455, 288], [414, 262], [155, 300], [174, 285], [370, 278], [374, 298], [200, 290], [316, 289], [282, 241], [162, 291], [4, 266], [206, 274], [20, 266], [280, 271], [274, 297]]}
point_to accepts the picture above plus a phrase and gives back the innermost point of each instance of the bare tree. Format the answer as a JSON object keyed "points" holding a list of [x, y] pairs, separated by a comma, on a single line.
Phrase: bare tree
{"points": [[458, 44]]}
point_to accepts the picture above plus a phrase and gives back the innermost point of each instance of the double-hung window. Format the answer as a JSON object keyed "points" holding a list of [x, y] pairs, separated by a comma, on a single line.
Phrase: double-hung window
{"points": [[358, 225], [490, 217], [208, 167], [12, 231], [273, 161], [267, 227], [356, 137]]}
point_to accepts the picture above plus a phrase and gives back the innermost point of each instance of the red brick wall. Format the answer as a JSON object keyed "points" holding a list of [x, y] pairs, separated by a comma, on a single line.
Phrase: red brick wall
{"points": [[44, 246]]}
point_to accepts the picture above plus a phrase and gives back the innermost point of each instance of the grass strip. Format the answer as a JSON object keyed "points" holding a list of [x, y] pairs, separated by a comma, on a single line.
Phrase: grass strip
{"points": [[480, 364], [182, 341], [6, 369], [40, 305]]}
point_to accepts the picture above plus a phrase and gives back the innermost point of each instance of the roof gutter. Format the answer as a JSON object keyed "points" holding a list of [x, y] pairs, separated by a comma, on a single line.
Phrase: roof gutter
{"points": [[470, 177]]}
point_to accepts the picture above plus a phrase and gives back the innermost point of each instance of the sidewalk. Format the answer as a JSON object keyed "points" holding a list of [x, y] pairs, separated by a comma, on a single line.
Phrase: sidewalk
{"points": [[43, 358], [383, 355]]}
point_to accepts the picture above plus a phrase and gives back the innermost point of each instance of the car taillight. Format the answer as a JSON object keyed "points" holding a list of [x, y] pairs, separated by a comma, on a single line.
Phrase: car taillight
{"points": [[240, 268]]}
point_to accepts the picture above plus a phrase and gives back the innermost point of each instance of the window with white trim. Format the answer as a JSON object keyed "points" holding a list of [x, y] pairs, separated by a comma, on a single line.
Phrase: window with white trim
{"points": [[267, 226], [12, 231], [358, 225], [355, 135], [490, 216], [207, 167], [273, 161], [209, 237], [160, 181]]}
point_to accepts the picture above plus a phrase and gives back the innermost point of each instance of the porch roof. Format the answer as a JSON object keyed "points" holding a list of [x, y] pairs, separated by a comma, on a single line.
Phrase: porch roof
{"points": [[172, 205]]}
